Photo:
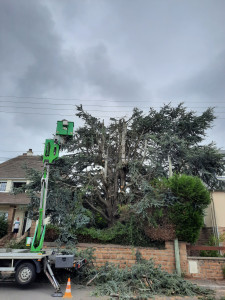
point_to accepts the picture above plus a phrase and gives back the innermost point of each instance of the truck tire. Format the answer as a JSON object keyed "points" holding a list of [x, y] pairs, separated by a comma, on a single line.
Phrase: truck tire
{"points": [[25, 274]]}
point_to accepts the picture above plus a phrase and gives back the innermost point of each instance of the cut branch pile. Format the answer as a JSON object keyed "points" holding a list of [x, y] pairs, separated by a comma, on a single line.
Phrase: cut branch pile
{"points": [[142, 281]]}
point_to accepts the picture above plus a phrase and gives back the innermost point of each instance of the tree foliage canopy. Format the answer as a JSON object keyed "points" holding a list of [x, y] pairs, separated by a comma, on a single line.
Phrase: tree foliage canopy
{"points": [[110, 167]]}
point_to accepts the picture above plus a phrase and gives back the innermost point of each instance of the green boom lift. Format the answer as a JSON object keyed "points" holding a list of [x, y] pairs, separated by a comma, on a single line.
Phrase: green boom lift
{"points": [[64, 131]]}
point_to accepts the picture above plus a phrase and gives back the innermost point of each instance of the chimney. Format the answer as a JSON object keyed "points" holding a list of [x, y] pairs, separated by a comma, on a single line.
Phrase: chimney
{"points": [[29, 152]]}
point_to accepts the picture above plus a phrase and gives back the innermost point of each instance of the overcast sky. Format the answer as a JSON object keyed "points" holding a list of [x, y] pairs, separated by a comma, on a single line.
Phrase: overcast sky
{"points": [[109, 55]]}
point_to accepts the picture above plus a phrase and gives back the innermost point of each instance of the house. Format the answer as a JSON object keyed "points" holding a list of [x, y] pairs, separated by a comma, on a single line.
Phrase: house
{"points": [[13, 175], [214, 217], [215, 214]]}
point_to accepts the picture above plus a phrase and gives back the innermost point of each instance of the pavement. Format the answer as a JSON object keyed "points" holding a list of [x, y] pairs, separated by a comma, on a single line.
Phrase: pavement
{"points": [[43, 291]]}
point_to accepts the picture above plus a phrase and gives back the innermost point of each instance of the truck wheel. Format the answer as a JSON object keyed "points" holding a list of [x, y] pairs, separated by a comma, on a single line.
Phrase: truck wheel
{"points": [[25, 274]]}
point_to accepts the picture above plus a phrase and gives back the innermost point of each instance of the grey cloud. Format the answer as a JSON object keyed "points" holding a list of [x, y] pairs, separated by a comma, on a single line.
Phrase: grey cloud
{"points": [[35, 61], [209, 82], [204, 89], [206, 84], [116, 50], [109, 80]]}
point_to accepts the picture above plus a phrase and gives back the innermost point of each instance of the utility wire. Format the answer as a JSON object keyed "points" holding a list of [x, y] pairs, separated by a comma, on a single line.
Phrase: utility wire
{"points": [[34, 113], [29, 107], [97, 105], [63, 115], [90, 105], [65, 109], [108, 100]]}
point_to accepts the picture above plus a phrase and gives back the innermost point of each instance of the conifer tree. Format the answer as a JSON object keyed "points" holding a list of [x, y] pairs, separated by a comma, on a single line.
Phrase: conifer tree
{"points": [[114, 165], [111, 166]]}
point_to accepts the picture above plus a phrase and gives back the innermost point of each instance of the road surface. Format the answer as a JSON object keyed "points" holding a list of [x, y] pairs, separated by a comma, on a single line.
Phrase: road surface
{"points": [[43, 291]]}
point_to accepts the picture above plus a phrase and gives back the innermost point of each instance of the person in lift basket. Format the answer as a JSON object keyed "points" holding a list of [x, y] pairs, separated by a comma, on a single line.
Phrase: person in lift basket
{"points": [[16, 227]]}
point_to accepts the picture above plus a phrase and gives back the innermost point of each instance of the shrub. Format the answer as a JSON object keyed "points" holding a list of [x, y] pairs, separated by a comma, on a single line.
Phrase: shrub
{"points": [[124, 234], [3, 226], [187, 214]]}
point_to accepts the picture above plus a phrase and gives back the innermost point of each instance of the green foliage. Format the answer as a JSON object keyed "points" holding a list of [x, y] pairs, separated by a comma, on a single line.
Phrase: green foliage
{"points": [[116, 166], [100, 222], [153, 207], [148, 144], [213, 241], [188, 221], [210, 253], [3, 225], [130, 233], [189, 189], [142, 281], [74, 220], [17, 245], [188, 213], [223, 269]]}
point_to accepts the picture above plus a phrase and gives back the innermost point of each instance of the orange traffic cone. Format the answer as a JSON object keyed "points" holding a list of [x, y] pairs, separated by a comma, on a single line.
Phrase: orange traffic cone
{"points": [[68, 290]]}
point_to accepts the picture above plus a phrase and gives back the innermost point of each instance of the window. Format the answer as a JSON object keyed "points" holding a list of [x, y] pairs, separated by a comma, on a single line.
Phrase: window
{"points": [[2, 186], [17, 185], [5, 214]]}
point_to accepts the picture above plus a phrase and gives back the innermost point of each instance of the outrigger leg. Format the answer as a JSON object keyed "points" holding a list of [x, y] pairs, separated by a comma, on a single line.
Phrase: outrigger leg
{"points": [[49, 273]]}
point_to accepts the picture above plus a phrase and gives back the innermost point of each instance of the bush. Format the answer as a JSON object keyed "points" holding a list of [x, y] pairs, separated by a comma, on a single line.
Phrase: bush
{"points": [[3, 226], [187, 214], [123, 234]]}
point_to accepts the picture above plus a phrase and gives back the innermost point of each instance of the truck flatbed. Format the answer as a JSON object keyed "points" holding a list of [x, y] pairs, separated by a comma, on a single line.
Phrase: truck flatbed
{"points": [[21, 254]]}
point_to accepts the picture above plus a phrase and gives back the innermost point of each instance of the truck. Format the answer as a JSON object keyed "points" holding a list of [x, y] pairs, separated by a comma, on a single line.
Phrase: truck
{"points": [[25, 264]]}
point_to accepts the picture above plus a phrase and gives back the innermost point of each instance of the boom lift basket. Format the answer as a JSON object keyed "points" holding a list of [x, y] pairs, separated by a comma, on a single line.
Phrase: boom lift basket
{"points": [[64, 127]]}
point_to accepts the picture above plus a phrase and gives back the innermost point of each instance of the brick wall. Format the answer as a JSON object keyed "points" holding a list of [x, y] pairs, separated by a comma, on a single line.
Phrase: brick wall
{"points": [[125, 255], [192, 267], [206, 267]]}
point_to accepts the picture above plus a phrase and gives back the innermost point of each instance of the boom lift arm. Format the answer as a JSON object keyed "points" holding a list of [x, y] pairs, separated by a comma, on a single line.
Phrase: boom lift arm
{"points": [[64, 131]]}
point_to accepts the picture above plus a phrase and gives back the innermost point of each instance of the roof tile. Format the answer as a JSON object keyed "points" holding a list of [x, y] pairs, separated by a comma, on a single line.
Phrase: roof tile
{"points": [[6, 198], [14, 168]]}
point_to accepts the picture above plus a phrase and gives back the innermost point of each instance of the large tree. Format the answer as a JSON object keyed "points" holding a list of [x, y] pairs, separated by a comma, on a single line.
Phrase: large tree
{"points": [[110, 166]]}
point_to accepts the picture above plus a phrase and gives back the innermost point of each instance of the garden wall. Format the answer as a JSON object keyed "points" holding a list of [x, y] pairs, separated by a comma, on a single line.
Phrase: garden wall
{"points": [[125, 255], [206, 267], [191, 267]]}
